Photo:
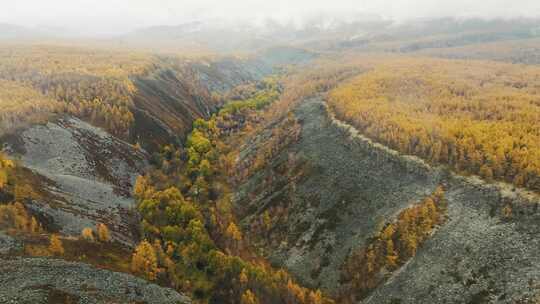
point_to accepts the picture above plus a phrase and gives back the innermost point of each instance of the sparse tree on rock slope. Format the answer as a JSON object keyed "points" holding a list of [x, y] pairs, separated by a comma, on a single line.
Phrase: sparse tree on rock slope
{"points": [[103, 233], [55, 246], [144, 261], [87, 234]]}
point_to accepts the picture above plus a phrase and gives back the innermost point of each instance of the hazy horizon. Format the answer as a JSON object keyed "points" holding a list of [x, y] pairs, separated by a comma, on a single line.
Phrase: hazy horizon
{"points": [[100, 17]]}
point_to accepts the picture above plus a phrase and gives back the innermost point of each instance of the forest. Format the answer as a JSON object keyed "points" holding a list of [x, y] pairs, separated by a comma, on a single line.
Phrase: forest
{"points": [[476, 117], [191, 238], [21, 105], [92, 84], [236, 152]]}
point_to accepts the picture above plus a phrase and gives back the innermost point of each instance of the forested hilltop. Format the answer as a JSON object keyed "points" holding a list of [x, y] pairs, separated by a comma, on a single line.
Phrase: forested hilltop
{"points": [[477, 117], [22, 104], [357, 162], [93, 85]]}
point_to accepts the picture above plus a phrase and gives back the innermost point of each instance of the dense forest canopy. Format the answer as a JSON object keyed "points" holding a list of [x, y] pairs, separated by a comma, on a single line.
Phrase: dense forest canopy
{"points": [[21, 104], [92, 84], [478, 117], [53, 59]]}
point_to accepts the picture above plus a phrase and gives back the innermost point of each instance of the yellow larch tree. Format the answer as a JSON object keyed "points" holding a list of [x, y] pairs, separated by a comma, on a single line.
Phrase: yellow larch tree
{"points": [[55, 245], [144, 261]]}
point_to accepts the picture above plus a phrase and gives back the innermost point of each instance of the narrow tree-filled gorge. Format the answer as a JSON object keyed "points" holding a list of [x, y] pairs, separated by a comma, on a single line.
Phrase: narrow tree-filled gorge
{"points": [[191, 235], [322, 158]]}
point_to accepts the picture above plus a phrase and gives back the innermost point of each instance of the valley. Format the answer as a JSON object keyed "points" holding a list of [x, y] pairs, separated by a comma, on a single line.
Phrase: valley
{"points": [[321, 170]]}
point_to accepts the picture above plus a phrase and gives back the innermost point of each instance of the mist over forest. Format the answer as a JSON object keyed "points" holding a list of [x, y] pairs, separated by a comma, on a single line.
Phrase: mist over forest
{"points": [[267, 152]]}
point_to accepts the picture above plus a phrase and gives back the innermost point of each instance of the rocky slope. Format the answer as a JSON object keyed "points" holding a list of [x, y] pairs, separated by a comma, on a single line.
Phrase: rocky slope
{"points": [[87, 173], [8, 244], [41, 280], [345, 187]]}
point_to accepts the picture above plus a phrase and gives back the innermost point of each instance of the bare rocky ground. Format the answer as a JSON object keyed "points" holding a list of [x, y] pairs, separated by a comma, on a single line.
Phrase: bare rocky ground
{"points": [[90, 175], [8, 244], [351, 186], [51, 281], [345, 193]]}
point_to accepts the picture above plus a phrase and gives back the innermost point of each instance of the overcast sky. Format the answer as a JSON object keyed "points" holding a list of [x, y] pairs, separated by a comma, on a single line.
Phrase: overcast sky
{"points": [[115, 16]]}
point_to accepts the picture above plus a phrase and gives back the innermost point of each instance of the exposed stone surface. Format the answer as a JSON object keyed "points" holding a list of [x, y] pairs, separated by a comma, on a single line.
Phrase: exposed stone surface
{"points": [[352, 185], [7, 244], [346, 192], [91, 174], [50, 281], [474, 258]]}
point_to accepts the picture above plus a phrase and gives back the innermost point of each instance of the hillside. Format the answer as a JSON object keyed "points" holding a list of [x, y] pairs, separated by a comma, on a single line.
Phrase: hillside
{"points": [[321, 203], [86, 174], [129, 93], [345, 160], [69, 282], [522, 51], [451, 112], [432, 34], [68, 194]]}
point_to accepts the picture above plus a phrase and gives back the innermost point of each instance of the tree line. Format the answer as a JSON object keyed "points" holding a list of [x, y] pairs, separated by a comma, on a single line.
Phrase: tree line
{"points": [[391, 247], [478, 118]]}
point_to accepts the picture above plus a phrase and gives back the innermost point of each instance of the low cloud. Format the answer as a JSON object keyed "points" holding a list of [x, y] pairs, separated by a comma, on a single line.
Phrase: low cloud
{"points": [[116, 16]]}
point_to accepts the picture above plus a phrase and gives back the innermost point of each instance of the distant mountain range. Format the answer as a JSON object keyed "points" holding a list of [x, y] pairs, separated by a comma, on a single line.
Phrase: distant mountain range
{"points": [[319, 32], [366, 32], [10, 31]]}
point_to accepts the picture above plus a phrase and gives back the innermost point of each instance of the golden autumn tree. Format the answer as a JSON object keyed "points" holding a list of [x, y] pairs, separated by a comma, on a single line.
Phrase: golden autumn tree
{"points": [[243, 278], [370, 259], [234, 235], [391, 254], [15, 216], [3, 178], [297, 293], [103, 233], [141, 184], [249, 298], [315, 297], [55, 245], [144, 261], [507, 211], [35, 226], [87, 234]]}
